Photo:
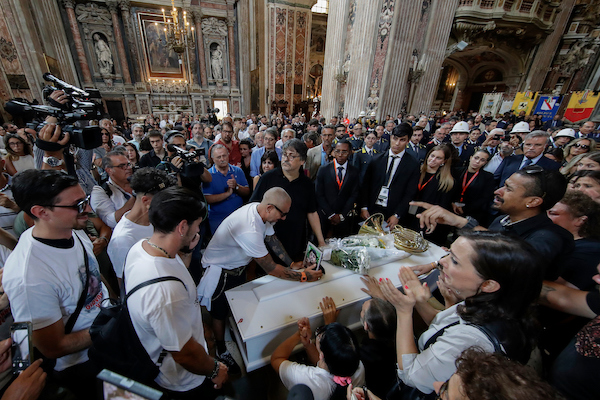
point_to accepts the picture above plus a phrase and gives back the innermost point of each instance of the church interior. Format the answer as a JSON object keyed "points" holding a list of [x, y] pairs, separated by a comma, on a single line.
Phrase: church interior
{"points": [[340, 57]]}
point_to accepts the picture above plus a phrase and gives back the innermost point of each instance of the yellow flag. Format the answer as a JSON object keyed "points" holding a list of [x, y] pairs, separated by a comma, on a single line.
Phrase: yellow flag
{"points": [[524, 101]]}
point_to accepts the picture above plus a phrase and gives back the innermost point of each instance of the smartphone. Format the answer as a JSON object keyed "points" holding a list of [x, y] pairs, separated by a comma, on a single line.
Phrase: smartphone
{"points": [[22, 347]]}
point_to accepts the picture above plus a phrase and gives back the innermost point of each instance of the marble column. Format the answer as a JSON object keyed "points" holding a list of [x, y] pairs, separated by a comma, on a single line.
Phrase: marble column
{"points": [[361, 55], [337, 24], [243, 13], [232, 66], [83, 64], [407, 18], [547, 50], [433, 55], [112, 7], [125, 6], [200, 45]]}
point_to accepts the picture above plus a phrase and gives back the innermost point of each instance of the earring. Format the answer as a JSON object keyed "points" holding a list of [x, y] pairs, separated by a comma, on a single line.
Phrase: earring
{"points": [[527, 206], [442, 165]]}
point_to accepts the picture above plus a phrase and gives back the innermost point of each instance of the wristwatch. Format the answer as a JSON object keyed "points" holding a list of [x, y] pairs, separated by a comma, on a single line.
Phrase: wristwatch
{"points": [[342, 218], [53, 161]]}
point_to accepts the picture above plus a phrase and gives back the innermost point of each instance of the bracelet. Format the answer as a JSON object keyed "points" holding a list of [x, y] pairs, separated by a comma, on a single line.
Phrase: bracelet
{"points": [[104, 237], [215, 371], [303, 277], [471, 223]]}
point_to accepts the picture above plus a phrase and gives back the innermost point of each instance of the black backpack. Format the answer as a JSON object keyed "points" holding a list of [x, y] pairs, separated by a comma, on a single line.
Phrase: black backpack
{"points": [[115, 344]]}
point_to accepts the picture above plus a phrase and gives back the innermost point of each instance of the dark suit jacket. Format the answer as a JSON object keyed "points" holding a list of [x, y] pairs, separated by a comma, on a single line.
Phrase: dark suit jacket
{"points": [[548, 124], [361, 160], [511, 164], [330, 198], [403, 187], [462, 160], [382, 145], [419, 154]]}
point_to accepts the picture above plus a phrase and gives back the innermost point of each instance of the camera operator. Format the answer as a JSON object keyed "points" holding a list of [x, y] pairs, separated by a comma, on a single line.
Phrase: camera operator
{"points": [[191, 181]]}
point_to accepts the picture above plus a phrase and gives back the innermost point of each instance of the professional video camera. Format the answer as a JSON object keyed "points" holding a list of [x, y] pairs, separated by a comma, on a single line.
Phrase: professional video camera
{"points": [[192, 167], [81, 105]]}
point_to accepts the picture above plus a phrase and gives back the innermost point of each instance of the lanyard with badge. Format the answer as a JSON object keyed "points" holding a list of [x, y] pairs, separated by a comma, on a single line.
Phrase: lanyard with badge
{"points": [[384, 193]]}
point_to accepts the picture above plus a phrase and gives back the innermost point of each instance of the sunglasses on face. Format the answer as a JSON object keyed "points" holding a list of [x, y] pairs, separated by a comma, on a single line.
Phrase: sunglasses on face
{"points": [[581, 146], [80, 206]]}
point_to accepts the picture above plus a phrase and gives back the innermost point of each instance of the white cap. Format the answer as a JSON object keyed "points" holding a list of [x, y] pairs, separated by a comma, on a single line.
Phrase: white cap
{"points": [[461, 126], [373, 114], [362, 114], [567, 132], [521, 127]]}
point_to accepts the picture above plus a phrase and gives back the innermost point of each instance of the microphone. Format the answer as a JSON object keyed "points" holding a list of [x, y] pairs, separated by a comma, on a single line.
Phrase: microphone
{"points": [[64, 85]]}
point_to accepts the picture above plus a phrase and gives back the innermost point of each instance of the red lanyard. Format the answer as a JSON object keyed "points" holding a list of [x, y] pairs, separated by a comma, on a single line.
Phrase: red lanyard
{"points": [[337, 178], [421, 187], [465, 185]]}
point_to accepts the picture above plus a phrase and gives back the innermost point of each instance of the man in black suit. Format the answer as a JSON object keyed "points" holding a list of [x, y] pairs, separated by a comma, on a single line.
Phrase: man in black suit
{"points": [[363, 157], [391, 179], [383, 141], [337, 190], [461, 152], [415, 148], [555, 122], [533, 148]]}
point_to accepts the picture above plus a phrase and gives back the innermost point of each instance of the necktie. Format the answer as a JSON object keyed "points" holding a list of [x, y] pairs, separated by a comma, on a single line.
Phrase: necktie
{"points": [[390, 168], [526, 163], [340, 170]]}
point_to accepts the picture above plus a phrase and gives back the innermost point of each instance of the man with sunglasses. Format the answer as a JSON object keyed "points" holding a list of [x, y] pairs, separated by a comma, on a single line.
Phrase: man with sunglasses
{"points": [[242, 237], [52, 273], [114, 198]]}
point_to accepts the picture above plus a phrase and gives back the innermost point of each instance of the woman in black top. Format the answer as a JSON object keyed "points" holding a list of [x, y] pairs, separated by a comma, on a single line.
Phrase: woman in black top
{"points": [[474, 189], [435, 186]]}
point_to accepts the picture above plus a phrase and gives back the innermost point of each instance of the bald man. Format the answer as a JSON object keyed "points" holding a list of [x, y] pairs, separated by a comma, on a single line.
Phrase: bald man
{"points": [[242, 237]]}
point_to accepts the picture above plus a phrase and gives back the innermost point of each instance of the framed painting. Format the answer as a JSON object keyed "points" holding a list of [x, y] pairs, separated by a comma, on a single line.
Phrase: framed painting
{"points": [[161, 62]]}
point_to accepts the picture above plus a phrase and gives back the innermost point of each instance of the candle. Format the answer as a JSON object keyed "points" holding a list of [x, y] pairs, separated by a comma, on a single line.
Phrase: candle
{"points": [[164, 16]]}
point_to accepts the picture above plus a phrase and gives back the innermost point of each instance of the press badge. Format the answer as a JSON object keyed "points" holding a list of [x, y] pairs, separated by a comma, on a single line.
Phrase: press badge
{"points": [[382, 199]]}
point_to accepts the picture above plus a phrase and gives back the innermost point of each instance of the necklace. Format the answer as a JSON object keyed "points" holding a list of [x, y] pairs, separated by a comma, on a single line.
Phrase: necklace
{"points": [[158, 247]]}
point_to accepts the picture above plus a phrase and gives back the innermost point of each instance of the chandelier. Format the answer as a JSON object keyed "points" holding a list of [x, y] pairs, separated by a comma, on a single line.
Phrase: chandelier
{"points": [[178, 33]]}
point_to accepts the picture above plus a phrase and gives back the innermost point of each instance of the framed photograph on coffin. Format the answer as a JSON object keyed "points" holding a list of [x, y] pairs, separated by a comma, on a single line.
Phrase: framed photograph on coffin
{"points": [[312, 257], [160, 60]]}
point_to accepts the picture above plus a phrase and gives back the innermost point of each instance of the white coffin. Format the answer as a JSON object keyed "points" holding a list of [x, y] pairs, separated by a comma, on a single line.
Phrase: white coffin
{"points": [[265, 311]]}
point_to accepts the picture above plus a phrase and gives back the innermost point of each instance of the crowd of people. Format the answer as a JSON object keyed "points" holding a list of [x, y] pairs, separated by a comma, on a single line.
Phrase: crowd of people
{"points": [[208, 205]]}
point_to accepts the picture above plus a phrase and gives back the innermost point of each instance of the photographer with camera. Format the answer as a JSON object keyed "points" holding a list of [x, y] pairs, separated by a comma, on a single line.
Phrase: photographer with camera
{"points": [[114, 198]]}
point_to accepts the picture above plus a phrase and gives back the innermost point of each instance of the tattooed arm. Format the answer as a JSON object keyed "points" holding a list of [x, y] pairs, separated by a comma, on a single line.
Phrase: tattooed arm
{"points": [[566, 299], [277, 248], [282, 272]]}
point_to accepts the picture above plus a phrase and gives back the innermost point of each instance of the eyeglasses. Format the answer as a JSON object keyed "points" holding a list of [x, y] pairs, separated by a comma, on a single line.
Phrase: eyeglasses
{"points": [[283, 214], [581, 146], [443, 390], [80, 207], [289, 156], [123, 166]]}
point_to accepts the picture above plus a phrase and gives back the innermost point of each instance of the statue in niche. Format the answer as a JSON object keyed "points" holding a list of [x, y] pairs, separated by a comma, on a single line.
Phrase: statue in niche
{"points": [[103, 54], [216, 61]]}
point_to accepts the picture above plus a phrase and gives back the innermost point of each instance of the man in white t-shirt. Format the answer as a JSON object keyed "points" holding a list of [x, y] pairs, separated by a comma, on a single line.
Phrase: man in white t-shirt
{"points": [[242, 237], [135, 225], [45, 275], [166, 315]]}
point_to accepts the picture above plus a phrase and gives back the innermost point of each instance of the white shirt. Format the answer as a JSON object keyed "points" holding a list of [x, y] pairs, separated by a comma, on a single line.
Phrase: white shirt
{"points": [[106, 206], [437, 362], [344, 166], [239, 239], [44, 284], [165, 315], [126, 234], [396, 163], [533, 161], [317, 379]]}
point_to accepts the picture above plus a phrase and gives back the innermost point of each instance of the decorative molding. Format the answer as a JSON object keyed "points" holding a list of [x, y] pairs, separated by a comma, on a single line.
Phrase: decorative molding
{"points": [[68, 3], [214, 26], [91, 13], [125, 5], [112, 6], [7, 50]]}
